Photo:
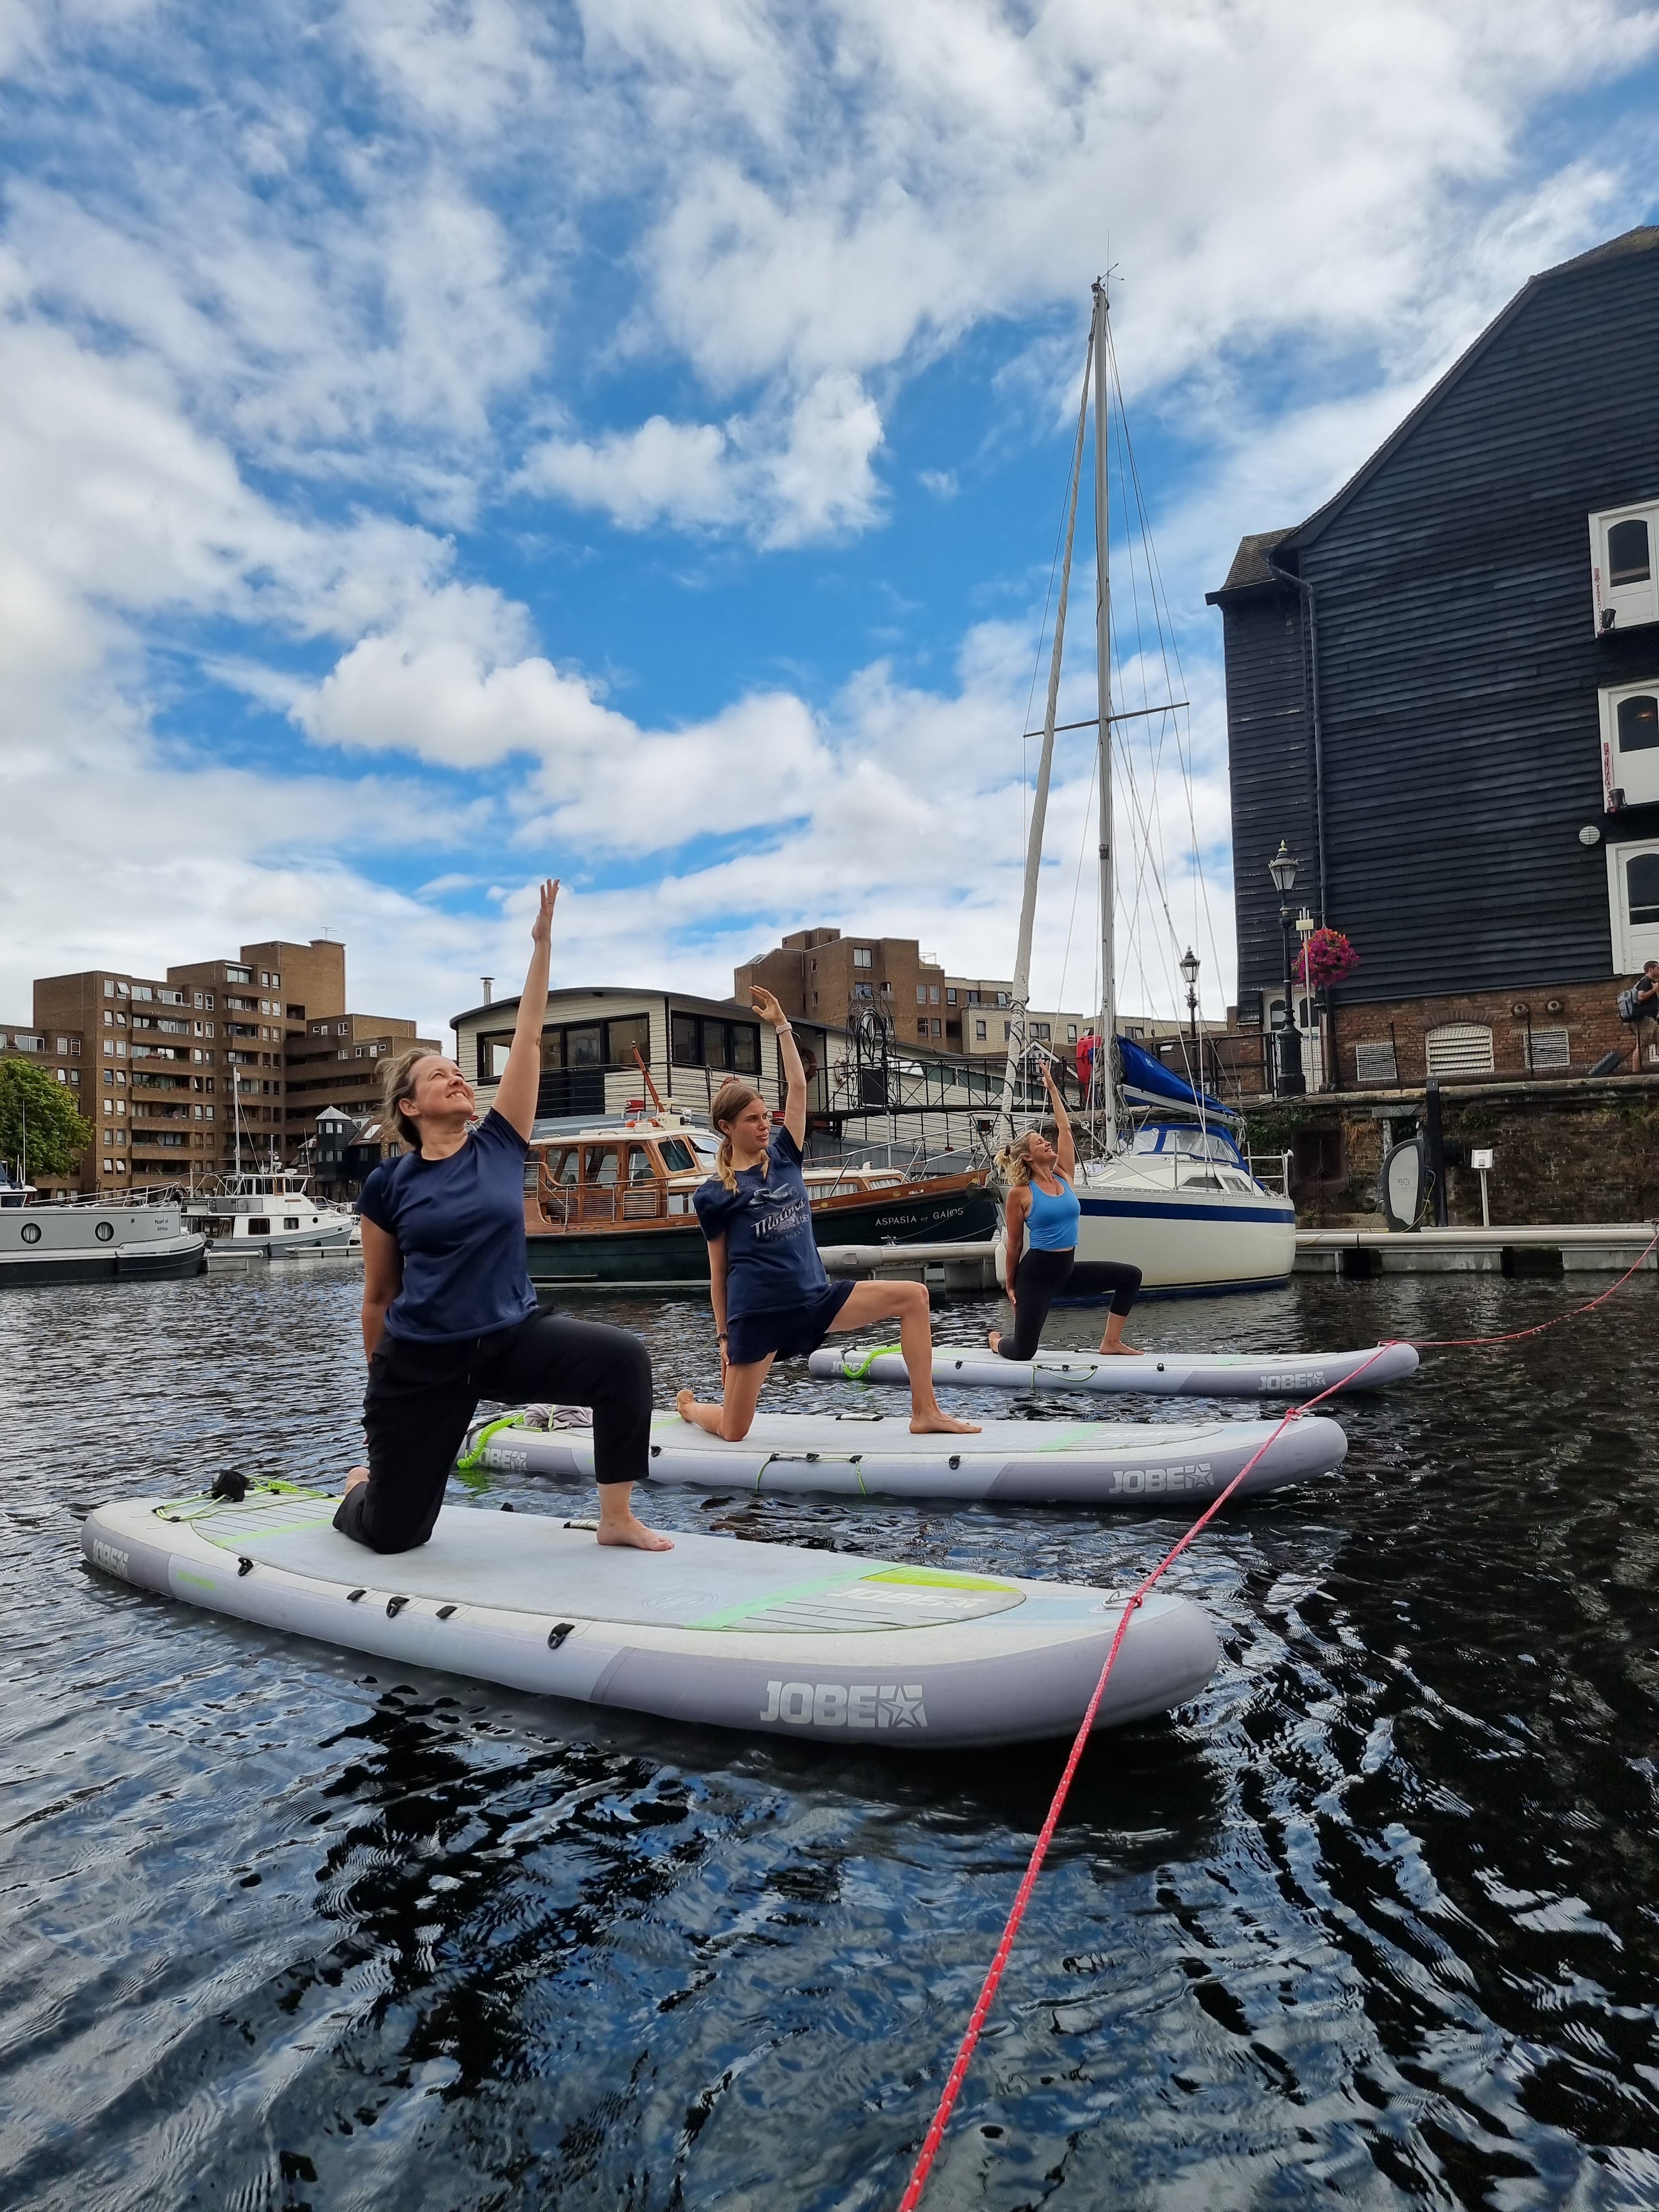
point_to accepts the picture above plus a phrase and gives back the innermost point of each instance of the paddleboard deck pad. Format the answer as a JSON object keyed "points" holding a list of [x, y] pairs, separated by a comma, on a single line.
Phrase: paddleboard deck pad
{"points": [[860, 1454], [763, 1638], [1150, 1374]]}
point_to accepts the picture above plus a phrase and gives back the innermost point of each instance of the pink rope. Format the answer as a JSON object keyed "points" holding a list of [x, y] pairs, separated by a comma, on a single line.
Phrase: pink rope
{"points": [[933, 2141]]}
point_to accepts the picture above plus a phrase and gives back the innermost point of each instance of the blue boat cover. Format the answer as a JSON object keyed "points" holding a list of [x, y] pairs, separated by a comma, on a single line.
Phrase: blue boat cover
{"points": [[1147, 1082]]}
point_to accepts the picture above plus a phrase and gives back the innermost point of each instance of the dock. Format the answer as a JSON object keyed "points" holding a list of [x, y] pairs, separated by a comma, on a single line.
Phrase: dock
{"points": [[1548, 1248]]}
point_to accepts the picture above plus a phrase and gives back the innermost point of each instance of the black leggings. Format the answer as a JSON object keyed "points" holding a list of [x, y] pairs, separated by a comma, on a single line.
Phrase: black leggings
{"points": [[1038, 1281], [422, 1397]]}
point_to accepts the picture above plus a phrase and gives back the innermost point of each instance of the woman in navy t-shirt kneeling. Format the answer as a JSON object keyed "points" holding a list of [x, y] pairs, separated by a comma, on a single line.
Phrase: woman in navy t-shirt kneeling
{"points": [[771, 1295], [449, 1315]]}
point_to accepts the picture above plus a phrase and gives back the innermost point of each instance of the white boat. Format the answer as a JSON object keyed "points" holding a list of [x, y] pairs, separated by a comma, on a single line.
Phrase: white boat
{"points": [[1175, 1196], [262, 1216], [74, 1242]]}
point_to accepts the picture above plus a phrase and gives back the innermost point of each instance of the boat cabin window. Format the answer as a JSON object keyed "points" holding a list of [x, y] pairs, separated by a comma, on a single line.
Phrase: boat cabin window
{"points": [[678, 1156], [601, 1164], [1193, 1144], [639, 1167]]}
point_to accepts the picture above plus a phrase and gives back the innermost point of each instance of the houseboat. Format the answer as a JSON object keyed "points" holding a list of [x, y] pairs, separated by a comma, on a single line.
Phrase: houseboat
{"points": [[68, 1242], [262, 1216]]}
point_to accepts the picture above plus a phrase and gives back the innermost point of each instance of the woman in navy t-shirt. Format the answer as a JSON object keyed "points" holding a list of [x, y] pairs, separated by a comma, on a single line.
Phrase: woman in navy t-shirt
{"points": [[771, 1295], [449, 1315]]}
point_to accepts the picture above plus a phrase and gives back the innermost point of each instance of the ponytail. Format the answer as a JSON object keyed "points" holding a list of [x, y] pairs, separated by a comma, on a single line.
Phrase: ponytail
{"points": [[730, 1100]]}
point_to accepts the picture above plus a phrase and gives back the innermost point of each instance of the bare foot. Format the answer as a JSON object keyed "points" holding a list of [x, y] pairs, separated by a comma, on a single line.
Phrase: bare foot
{"points": [[354, 1476], [683, 1400], [941, 1424], [1129, 1351], [627, 1530], [994, 1339]]}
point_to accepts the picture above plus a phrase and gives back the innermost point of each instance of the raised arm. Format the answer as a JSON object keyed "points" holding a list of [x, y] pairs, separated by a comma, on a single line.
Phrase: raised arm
{"points": [[794, 1103], [516, 1093], [1065, 1144]]}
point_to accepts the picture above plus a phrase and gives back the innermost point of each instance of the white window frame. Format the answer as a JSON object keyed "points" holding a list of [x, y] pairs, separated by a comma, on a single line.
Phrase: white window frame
{"points": [[1629, 603], [1642, 790], [1631, 945]]}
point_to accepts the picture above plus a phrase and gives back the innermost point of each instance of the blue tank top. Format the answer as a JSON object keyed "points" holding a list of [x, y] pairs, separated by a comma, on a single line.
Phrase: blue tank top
{"points": [[1053, 1221]]}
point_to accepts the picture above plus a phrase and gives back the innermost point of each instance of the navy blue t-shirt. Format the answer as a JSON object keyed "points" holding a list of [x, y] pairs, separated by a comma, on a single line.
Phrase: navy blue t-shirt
{"points": [[770, 1258], [459, 1227]]}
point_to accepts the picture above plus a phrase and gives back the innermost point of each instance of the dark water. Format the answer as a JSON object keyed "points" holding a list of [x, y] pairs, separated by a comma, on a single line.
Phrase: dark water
{"points": [[1375, 1924]]}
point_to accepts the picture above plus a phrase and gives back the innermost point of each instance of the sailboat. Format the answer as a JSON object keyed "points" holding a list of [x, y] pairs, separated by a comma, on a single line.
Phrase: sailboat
{"points": [[1171, 1189]]}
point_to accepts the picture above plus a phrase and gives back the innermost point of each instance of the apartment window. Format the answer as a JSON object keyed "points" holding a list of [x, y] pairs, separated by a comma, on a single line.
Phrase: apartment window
{"points": [[937, 1026], [342, 1028], [1548, 1049], [238, 975], [1373, 1066], [343, 1053], [1459, 1048], [1042, 1032], [1633, 898], [109, 993], [978, 1032], [1007, 1031], [1630, 744], [29, 1044], [1071, 1032], [1624, 586], [933, 995], [862, 956], [922, 1027], [109, 1165], [121, 990], [863, 991], [142, 991], [1002, 998], [950, 995], [109, 1019], [109, 1048], [922, 994], [109, 1105]]}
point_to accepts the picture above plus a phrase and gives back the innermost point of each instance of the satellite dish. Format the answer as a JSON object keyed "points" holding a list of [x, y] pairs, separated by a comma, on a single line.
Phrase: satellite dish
{"points": [[1403, 1185]]}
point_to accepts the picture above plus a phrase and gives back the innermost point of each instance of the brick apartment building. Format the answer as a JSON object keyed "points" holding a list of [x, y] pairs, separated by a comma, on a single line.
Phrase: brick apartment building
{"points": [[174, 1072], [819, 975]]}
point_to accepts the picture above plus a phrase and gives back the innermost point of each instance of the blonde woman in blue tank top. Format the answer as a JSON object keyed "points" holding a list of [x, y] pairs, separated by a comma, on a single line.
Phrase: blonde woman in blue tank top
{"points": [[1043, 1205]]}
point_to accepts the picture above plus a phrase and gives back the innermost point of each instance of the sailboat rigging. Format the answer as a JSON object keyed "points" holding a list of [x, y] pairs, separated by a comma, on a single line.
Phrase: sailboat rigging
{"points": [[1180, 1202]]}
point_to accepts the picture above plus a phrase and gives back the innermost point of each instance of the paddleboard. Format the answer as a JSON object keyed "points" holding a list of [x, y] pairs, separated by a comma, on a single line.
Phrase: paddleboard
{"points": [[1150, 1374], [765, 1637], [860, 1454]]}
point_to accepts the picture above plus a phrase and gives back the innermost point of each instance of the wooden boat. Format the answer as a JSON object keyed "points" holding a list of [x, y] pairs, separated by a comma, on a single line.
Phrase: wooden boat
{"points": [[611, 1207]]}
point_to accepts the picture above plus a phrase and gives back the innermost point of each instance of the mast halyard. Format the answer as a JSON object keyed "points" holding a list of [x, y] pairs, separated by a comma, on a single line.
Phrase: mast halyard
{"points": [[1018, 1020], [1105, 1049]]}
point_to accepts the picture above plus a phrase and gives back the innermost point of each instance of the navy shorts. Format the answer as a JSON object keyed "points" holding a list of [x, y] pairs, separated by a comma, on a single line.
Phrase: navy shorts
{"points": [[788, 1332]]}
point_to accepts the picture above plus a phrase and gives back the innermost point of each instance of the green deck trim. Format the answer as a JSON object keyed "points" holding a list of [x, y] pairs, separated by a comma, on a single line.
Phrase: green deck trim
{"points": [[819, 1585], [468, 1460], [940, 1579]]}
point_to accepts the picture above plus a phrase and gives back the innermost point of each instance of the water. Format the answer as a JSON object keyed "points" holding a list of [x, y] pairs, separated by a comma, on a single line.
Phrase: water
{"points": [[1374, 1923]]}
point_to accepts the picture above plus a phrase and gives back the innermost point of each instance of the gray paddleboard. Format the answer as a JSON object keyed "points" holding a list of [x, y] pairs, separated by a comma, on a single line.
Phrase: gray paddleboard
{"points": [[766, 1637], [1149, 1374], [864, 1455]]}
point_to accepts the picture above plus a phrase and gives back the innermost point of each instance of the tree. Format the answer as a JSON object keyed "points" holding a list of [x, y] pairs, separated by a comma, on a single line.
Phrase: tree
{"points": [[57, 1135]]}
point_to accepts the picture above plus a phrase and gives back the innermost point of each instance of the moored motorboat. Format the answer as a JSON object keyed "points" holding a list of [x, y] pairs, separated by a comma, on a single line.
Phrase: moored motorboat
{"points": [[611, 1207], [769, 1638], [262, 1216]]}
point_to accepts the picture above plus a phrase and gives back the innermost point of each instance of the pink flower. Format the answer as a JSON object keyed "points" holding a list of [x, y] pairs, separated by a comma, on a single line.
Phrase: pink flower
{"points": [[1328, 957]]}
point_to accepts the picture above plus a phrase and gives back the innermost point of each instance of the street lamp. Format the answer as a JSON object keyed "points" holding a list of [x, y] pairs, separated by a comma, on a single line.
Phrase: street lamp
{"points": [[1189, 969], [1289, 1080]]}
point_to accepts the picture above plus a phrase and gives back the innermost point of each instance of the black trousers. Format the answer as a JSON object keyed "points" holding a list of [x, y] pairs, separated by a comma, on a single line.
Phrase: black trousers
{"points": [[420, 1398], [1038, 1281]]}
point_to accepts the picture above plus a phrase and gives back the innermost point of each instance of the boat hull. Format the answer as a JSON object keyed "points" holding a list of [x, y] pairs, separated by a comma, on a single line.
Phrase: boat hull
{"points": [[1149, 1374], [41, 1244], [174, 1259], [673, 1255], [1186, 1244]]}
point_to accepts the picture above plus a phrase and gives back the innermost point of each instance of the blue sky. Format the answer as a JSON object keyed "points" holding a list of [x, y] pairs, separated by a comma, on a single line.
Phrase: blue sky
{"points": [[446, 443]]}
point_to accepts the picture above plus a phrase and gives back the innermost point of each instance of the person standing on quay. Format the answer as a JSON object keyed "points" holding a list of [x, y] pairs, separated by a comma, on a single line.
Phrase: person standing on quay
{"points": [[449, 1313], [770, 1294], [1041, 1199]]}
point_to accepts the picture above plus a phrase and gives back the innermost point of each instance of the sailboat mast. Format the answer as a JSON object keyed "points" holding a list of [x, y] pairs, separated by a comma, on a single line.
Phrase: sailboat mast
{"points": [[1105, 1051], [1019, 1024]]}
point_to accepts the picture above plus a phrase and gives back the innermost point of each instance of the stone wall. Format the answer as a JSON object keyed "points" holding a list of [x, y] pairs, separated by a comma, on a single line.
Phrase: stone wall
{"points": [[1563, 1152]]}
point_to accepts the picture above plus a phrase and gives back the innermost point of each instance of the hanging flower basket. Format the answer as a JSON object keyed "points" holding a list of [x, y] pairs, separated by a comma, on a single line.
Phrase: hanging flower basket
{"points": [[1328, 957]]}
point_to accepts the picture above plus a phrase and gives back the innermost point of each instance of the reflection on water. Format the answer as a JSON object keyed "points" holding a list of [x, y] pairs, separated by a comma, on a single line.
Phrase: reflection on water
{"points": [[1374, 1922]]}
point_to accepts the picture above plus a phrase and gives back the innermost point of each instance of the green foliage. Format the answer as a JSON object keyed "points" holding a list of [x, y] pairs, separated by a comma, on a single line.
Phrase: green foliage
{"points": [[56, 1133]]}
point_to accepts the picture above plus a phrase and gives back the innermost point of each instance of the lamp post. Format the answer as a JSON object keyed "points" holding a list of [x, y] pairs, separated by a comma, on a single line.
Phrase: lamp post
{"points": [[1189, 969], [1305, 926], [1289, 1082]]}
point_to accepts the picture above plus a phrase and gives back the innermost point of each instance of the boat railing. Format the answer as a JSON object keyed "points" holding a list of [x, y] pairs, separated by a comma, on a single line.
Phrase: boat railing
{"points": [[572, 1205], [1273, 1172]]}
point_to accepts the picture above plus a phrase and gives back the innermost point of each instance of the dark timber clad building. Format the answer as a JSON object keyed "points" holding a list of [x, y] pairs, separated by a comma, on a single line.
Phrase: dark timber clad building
{"points": [[1443, 689]]}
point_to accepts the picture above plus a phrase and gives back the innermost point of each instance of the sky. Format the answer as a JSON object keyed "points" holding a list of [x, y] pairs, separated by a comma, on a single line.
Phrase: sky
{"points": [[450, 441]]}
